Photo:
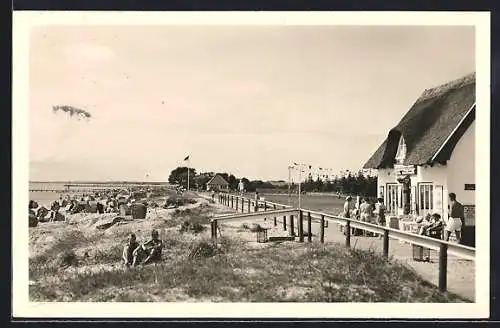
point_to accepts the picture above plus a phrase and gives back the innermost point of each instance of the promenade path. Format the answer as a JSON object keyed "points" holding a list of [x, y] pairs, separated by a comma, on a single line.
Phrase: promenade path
{"points": [[460, 273]]}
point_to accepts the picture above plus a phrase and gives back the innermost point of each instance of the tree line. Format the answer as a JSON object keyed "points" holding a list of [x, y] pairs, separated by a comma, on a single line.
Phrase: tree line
{"points": [[353, 184]]}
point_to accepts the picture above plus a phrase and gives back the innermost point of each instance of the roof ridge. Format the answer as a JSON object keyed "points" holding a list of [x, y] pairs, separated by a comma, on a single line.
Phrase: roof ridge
{"points": [[443, 88]]}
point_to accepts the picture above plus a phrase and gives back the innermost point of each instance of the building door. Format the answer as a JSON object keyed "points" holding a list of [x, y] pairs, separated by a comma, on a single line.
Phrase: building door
{"points": [[392, 198], [425, 198], [405, 184]]}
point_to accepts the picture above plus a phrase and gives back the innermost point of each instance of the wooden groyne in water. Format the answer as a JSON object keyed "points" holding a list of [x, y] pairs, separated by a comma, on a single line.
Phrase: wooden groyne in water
{"points": [[80, 188], [69, 190]]}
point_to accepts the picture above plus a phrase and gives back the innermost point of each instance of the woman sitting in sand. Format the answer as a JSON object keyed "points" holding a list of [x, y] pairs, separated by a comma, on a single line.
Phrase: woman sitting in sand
{"points": [[128, 250], [151, 248]]}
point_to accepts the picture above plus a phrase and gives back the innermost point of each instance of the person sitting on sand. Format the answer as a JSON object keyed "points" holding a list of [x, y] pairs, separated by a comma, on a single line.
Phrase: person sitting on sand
{"points": [[151, 248], [54, 209], [128, 250]]}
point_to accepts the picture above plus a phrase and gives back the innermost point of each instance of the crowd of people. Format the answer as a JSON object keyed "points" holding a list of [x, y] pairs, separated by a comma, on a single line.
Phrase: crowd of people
{"points": [[98, 202], [432, 225], [134, 253]]}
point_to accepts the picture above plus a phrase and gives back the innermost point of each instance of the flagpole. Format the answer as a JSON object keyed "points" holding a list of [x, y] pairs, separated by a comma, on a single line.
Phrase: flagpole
{"points": [[188, 175], [289, 179]]}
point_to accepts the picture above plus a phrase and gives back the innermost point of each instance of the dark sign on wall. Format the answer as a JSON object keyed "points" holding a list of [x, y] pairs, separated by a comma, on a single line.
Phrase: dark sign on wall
{"points": [[470, 186]]}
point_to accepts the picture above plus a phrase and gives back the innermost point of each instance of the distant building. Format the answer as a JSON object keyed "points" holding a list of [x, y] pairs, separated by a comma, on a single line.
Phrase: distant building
{"points": [[218, 183], [201, 179], [431, 153]]}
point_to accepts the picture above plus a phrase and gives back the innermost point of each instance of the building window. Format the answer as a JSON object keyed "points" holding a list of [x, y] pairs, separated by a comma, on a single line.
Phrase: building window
{"points": [[401, 153], [425, 198]]}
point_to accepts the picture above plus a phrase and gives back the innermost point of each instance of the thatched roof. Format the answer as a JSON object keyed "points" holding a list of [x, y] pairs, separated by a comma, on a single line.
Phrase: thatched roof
{"points": [[218, 181], [432, 126]]}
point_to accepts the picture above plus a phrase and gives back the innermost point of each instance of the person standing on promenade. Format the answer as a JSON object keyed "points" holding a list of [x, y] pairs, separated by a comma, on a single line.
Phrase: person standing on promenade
{"points": [[365, 210], [380, 212], [348, 207], [456, 219], [241, 187]]}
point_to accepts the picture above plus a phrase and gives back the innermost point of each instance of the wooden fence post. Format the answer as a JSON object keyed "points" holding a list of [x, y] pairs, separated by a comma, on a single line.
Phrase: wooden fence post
{"points": [[215, 229], [249, 205], [256, 206], [301, 226], [322, 229], [443, 266], [386, 243], [212, 229], [284, 223], [232, 202], [242, 204], [292, 228], [348, 234], [237, 203], [275, 222], [309, 228]]}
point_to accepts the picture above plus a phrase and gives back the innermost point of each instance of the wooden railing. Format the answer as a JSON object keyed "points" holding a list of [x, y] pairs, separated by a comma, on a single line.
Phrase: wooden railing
{"points": [[252, 210]]}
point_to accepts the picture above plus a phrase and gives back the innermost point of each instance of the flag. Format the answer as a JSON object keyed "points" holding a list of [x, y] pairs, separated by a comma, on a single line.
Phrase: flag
{"points": [[187, 157]]}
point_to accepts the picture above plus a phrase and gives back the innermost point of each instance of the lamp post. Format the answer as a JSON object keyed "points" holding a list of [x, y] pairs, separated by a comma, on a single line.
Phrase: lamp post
{"points": [[300, 182], [289, 183], [300, 179]]}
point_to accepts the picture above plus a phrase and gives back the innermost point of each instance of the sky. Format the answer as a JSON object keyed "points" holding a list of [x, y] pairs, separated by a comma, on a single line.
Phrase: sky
{"points": [[248, 100]]}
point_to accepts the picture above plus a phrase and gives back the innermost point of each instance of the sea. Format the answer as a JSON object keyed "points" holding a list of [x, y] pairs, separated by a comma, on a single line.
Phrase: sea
{"points": [[46, 197], [46, 192]]}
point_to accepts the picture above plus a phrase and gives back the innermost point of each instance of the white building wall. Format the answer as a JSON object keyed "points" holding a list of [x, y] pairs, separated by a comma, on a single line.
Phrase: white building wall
{"points": [[461, 167], [437, 175], [384, 176]]}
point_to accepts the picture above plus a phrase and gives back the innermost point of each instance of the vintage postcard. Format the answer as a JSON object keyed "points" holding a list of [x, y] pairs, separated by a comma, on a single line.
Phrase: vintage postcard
{"points": [[251, 164]]}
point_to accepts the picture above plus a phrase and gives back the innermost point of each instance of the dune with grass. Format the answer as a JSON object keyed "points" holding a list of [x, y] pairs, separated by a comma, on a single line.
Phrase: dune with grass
{"points": [[77, 261]]}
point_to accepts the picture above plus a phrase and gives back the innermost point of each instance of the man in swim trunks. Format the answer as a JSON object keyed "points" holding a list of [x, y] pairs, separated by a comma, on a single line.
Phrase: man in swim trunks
{"points": [[455, 220]]}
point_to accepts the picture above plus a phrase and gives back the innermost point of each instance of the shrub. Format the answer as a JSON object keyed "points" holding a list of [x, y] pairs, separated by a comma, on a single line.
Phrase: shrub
{"points": [[194, 227], [66, 259], [256, 228], [204, 249]]}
